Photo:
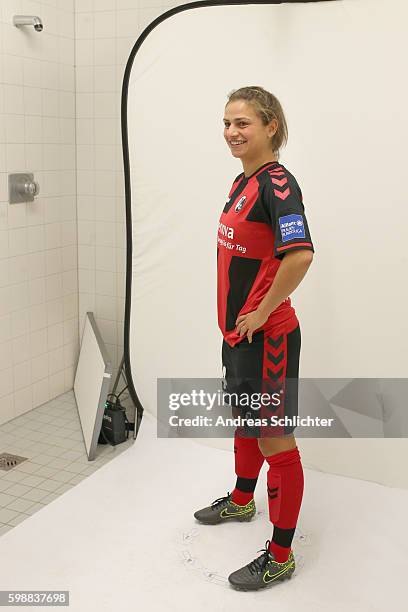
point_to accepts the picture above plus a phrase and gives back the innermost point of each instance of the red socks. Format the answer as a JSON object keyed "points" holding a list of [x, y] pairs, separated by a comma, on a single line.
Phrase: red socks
{"points": [[285, 491], [248, 463], [285, 485]]}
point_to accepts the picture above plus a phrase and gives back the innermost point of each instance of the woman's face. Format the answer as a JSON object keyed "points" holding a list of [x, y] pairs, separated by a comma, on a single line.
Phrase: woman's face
{"points": [[242, 124]]}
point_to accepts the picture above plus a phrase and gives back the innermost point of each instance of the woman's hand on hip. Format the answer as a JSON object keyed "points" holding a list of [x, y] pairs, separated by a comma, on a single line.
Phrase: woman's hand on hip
{"points": [[250, 322]]}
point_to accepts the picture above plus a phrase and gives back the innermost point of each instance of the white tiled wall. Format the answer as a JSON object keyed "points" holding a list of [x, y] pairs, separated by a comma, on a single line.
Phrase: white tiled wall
{"points": [[38, 241], [63, 254], [106, 31]]}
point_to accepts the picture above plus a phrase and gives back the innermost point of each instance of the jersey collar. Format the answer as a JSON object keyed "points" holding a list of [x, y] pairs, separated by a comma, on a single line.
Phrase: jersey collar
{"points": [[246, 178]]}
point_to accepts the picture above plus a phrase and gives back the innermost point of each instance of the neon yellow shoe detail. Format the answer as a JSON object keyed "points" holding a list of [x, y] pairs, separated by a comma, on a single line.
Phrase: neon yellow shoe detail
{"points": [[224, 509]]}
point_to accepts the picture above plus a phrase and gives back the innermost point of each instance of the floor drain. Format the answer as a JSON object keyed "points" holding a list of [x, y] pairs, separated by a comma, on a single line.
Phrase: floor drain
{"points": [[7, 461]]}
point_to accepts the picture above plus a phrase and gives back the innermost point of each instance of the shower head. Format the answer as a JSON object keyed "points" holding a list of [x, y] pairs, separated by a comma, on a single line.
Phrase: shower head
{"points": [[30, 20]]}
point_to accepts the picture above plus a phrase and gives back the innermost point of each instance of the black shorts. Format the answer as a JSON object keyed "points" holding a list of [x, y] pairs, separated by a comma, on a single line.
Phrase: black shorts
{"points": [[268, 366]]}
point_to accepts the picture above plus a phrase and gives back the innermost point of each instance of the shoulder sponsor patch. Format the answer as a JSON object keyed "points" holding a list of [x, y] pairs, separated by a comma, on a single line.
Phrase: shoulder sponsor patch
{"points": [[291, 226]]}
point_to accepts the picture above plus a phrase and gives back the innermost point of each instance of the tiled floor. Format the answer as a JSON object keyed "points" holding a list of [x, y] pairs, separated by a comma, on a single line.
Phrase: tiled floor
{"points": [[50, 437]]}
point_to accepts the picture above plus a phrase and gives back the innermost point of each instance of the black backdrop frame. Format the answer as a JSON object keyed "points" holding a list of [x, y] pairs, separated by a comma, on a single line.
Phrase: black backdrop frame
{"points": [[126, 168]]}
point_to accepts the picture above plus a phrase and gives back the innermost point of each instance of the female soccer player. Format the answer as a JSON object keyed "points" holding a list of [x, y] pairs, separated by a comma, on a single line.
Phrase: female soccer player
{"points": [[264, 251]]}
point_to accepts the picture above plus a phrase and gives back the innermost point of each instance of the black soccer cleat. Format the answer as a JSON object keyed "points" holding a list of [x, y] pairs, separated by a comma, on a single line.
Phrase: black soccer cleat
{"points": [[223, 510], [263, 572]]}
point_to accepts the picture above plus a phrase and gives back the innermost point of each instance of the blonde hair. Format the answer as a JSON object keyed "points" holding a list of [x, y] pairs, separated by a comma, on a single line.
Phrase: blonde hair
{"points": [[267, 107]]}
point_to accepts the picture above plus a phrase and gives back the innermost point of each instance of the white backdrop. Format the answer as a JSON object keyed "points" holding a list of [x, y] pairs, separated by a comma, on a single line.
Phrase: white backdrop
{"points": [[337, 68]]}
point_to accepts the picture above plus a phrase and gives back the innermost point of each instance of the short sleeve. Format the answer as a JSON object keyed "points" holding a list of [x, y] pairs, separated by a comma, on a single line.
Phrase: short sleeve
{"points": [[283, 205]]}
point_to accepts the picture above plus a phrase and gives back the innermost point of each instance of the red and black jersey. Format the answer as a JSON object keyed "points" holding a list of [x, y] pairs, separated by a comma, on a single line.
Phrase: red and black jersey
{"points": [[263, 219]]}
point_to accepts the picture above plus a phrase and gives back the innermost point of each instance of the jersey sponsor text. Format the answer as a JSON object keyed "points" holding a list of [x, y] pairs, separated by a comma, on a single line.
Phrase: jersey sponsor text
{"points": [[225, 230]]}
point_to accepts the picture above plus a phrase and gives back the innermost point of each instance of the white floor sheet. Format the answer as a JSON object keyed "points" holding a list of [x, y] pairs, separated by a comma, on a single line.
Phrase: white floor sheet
{"points": [[126, 539]]}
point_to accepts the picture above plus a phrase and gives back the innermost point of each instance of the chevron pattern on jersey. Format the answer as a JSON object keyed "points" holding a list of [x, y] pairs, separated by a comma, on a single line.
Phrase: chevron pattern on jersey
{"points": [[275, 343], [277, 171], [276, 360], [274, 355], [282, 195], [275, 376], [280, 182]]}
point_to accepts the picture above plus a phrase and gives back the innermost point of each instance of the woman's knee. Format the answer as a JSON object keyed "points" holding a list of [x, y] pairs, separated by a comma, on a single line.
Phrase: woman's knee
{"points": [[271, 446]]}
